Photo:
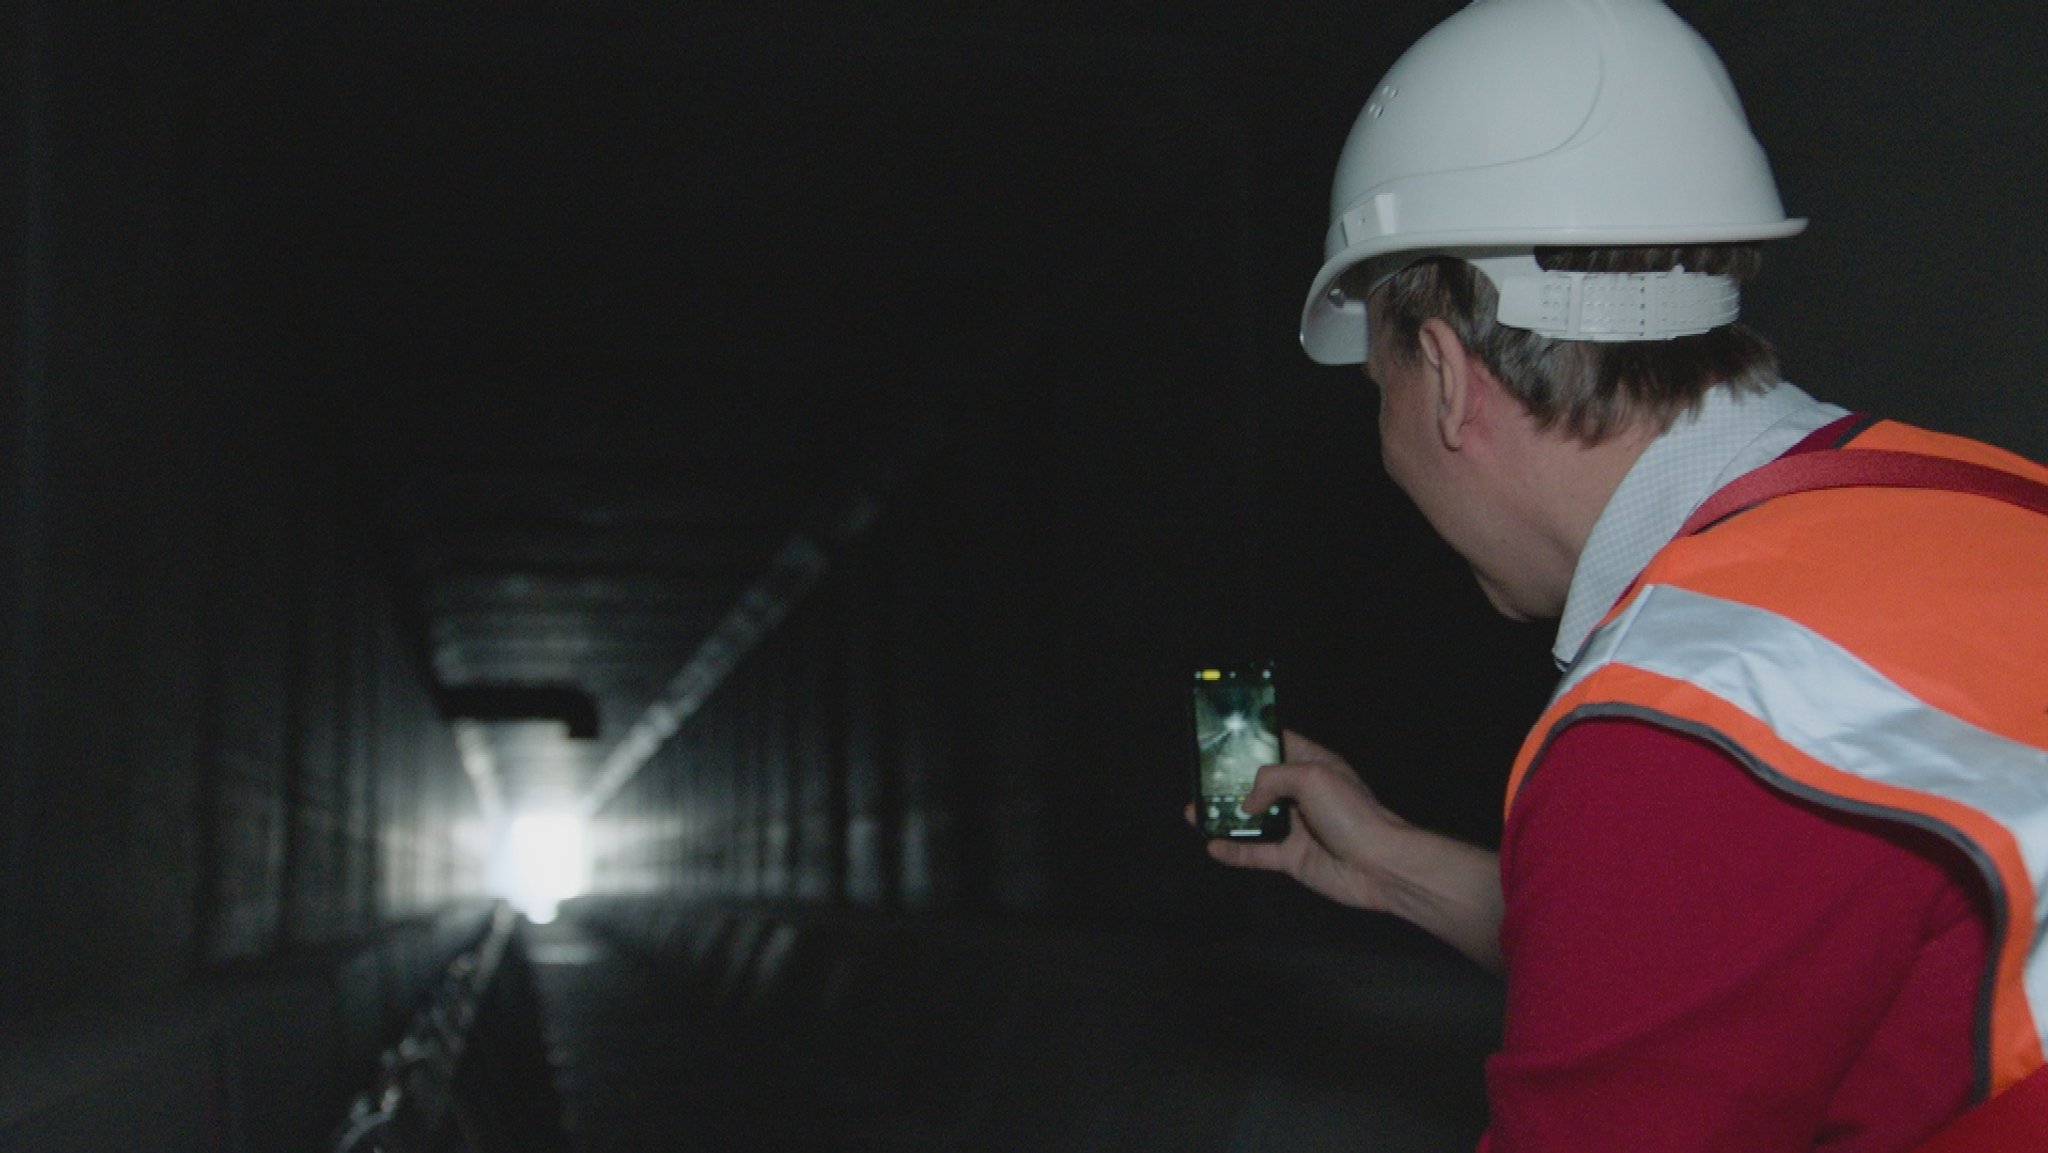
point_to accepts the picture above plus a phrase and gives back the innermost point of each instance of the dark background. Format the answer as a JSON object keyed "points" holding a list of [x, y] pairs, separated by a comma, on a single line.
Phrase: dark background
{"points": [[377, 367]]}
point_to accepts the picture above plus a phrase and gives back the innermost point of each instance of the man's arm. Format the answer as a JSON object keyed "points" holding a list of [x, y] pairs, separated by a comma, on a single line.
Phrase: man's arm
{"points": [[1352, 849]]}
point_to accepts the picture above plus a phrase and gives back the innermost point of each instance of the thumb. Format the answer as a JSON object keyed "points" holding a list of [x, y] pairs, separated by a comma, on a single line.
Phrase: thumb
{"points": [[1275, 783], [1295, 747]]}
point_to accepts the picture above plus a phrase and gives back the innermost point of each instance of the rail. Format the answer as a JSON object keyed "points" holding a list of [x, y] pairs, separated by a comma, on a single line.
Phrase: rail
{"points": [[469, 1074]]}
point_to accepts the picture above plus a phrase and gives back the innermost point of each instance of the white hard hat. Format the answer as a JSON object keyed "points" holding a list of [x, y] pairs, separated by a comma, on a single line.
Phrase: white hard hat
{"points": [[1524, 123]]}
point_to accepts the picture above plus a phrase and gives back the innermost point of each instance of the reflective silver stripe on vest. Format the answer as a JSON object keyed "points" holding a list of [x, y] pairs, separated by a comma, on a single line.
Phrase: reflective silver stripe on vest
{"points": [[1829, 704]]}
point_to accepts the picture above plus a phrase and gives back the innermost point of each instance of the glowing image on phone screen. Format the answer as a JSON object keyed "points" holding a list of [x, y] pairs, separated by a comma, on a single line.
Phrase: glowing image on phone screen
{"points": [[1235, 734]]}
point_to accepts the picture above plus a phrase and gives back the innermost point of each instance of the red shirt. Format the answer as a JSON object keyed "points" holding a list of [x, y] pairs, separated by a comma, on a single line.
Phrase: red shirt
{"points": [[1697, 961]]}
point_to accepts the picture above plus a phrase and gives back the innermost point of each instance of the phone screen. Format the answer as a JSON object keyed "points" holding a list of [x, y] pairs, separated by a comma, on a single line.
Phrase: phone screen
{"points": [[1236, 731]]}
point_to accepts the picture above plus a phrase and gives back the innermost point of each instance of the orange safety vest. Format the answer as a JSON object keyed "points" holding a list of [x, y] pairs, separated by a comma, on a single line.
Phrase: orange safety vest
{"points": [[1875, 645]]}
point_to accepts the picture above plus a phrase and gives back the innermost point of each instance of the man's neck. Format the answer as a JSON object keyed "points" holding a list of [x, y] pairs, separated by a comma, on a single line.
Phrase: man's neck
{"points": [[1570, 484]]}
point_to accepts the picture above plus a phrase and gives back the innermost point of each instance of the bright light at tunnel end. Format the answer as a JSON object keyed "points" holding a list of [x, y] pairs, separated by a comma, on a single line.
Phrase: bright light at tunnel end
{"points": [[542, 860]]}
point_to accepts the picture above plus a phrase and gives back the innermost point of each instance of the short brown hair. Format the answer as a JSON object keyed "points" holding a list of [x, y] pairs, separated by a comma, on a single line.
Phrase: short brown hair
{"points": [[1590, 388]]}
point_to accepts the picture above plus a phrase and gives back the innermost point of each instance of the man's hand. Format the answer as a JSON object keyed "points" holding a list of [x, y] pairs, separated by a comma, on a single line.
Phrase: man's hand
{"points": [[1339, 828], [1350, 848]]}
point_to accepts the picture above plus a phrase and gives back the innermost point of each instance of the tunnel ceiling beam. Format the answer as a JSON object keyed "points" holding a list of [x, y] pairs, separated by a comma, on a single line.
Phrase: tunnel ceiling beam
{"points": [[797, 568]]}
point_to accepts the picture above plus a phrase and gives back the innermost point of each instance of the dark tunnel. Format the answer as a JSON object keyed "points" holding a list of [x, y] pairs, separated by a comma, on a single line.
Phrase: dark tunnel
{"points": [[747, 484]]}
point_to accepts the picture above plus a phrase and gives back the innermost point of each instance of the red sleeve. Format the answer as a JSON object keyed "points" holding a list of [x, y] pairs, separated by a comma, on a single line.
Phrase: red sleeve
{"points": [[1699, 962]]}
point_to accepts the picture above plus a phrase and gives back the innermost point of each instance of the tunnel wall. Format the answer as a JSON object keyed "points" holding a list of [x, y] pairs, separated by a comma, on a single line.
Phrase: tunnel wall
{"points": [[222, 759]]}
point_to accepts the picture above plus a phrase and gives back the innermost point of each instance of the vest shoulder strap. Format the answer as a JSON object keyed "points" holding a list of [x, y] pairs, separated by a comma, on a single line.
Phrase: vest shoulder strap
{"points": [[1865, 468]]}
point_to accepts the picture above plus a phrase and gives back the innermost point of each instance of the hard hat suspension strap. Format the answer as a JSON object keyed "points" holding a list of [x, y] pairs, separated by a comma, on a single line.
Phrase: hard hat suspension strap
{"points": [[1609, 306]]}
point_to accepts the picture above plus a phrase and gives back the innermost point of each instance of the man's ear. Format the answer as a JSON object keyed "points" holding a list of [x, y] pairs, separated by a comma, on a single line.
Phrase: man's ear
{"points": [[1448, 371]]}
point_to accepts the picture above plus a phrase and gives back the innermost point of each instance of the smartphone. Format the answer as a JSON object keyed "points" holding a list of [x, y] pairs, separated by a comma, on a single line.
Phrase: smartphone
{"points": [[1236, 726]]}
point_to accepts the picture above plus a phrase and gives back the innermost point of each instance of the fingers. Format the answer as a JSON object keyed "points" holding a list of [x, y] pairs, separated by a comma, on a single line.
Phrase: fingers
{"points": [[1268, 855]]}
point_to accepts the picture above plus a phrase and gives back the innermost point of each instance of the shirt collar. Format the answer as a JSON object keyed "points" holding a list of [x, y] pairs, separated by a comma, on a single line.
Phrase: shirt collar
{"points": [[1726, 436]]}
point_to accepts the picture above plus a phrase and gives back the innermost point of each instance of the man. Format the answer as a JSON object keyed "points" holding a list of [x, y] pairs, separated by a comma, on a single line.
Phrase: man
{"points": [[1775, 861]]}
